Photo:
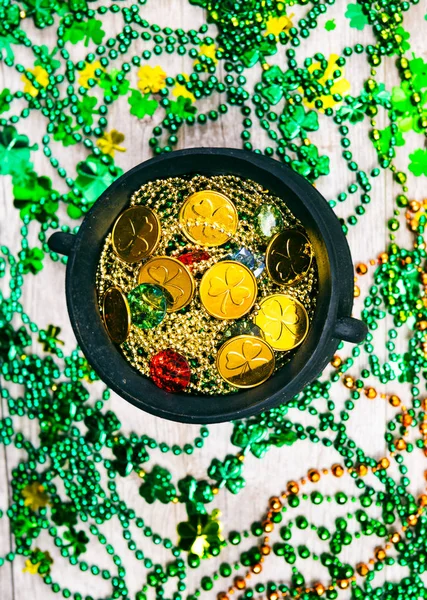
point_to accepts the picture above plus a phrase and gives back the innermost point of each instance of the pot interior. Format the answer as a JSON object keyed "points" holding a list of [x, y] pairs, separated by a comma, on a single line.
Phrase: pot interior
{"points": [[106, 357]]}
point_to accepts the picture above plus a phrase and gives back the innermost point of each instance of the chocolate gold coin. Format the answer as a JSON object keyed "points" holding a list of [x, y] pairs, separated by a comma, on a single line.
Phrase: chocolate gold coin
{"points": [[228, 290], [245, 361], [208, 218], [171, 275], [116, 314], [136, 234], [283, 321], [288, 257]]}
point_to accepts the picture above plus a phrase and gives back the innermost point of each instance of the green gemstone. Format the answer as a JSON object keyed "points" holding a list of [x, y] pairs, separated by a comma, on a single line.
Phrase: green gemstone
{"points": [[268, 221], [147, 305]]}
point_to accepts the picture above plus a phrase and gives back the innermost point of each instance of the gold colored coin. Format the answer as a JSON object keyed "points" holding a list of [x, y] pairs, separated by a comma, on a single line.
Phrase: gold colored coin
{"points": [[245, 361], [288, 257], [171, 275], [208, 218], [283, 321], [136, 234], [228, 290], [116, 313]]}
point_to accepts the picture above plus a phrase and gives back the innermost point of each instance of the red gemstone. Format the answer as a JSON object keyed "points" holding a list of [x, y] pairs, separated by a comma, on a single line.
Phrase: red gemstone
{"points": [[191, 258], [170, 371]]}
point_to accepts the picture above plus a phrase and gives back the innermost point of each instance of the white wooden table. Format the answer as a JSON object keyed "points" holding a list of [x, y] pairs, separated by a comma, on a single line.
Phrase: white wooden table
{"points": [[44, 299]]}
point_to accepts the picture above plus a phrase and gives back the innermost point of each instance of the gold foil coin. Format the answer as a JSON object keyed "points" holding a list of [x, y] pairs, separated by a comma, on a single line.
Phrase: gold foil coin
{"points": [[228, 290], [245, 361], [283, 321], [171, 275], [136, 234], [288, 257], [116, 314], [208, 218]]}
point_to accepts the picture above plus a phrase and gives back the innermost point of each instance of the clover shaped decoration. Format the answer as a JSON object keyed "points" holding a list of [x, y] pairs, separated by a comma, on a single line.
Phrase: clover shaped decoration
{"points": [[247, 359], [229, 287], [280, 319]]}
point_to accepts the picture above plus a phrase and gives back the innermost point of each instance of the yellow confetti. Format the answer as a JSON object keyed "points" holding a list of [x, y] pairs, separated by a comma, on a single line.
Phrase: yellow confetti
{"points": [[35, 496], [89, 73], [110, 142], [151, 79], [341, 85], [42, 78], [181, 91], [275, 25]]}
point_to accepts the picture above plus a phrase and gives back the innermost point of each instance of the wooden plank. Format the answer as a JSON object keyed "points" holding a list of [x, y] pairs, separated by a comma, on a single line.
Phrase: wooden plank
{"points": [[44, 298]]}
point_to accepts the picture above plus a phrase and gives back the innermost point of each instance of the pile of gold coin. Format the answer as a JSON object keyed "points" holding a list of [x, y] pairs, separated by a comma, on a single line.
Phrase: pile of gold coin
{"points": [[208, 284]]}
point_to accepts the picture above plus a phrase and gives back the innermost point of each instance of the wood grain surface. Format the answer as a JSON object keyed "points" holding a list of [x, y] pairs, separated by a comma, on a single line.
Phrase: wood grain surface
{"points": [[44, 300]]}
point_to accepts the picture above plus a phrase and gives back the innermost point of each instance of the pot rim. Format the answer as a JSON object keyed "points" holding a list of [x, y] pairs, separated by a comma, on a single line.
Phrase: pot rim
{"points": [[142, 392]]}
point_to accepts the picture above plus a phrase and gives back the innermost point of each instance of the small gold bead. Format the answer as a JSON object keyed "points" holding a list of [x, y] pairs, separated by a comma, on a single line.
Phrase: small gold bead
{"points": [[293, 487], [400, 444], [380, 553], [362, 569], [268, 526], [337, 471], [394, 400], [336, 362], [275, 504], [407, 420], [412, 520], [314, 475], [348, 382], [361, 269], [240, 583], [384, 463], [395, 538], [319, 589]]}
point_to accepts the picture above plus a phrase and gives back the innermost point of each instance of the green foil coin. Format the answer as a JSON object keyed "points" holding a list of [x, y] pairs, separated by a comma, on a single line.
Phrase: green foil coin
{"points": [[147, 303], [268, 221]]}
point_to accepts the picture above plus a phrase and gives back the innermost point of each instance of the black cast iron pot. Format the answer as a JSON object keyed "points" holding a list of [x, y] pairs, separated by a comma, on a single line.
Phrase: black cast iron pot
{"points": [[331, 323]]}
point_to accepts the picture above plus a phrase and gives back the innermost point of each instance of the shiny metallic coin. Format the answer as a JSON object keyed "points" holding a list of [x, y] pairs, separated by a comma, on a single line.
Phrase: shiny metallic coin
{"points": [[283, 321], [116, 314], [245, 361], [208, 218], [136, 234], [228, 290], [288, 257]]}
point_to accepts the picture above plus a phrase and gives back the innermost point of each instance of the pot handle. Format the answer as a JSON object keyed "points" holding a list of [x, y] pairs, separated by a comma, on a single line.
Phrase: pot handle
{"points": [[350, 330], [62, 242]]}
